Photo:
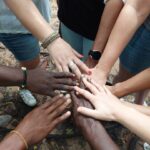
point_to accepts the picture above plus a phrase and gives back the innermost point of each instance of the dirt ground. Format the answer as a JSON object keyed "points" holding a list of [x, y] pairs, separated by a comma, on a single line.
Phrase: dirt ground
{"points": [[66, 136]]}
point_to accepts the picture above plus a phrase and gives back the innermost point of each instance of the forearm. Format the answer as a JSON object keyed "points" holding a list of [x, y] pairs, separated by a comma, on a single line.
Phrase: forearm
{"points": [[131, 17], [135, 121], [137, 83], [143, 109], [110, 14], [12, 142], [30, 17], [10, 76]]}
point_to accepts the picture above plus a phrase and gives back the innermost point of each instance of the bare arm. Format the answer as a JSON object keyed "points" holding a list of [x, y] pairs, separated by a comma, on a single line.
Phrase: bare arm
{"points": [[59, 50], [110, 14], [131, 17], [137, 83], [109, 108]]}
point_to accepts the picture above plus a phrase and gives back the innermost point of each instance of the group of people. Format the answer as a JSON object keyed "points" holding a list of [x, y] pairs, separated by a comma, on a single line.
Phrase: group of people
{"points": [[93, 35]]}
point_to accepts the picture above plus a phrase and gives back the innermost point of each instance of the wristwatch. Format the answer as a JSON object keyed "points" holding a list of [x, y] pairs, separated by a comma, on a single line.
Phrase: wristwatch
{"points": [[95, 55]]}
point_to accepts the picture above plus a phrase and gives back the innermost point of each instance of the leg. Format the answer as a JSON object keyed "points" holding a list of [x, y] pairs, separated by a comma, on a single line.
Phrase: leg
{"points": [[24, 47]]}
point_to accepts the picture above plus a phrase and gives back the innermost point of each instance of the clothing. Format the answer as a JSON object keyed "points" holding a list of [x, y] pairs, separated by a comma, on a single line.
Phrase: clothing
{"points": [[77, 41], [136, 56], [15, 37], [147, 23], [24, 46], [10, 24], [81, 16]]}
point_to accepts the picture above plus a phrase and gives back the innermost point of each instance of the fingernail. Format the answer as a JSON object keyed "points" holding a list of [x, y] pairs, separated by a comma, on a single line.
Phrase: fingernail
{"points": [[69, 101]]}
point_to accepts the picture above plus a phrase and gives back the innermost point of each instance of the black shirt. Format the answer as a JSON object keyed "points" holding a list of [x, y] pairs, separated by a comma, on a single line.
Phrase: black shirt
{"points": [[81, 16]]}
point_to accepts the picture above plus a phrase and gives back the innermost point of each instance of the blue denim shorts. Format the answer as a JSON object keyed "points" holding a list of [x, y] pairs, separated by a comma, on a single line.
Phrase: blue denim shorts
{"points": [[136, 56], [25, 47]]}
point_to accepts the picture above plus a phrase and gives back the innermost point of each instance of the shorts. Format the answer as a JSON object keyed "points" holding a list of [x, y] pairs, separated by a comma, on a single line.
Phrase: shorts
{"points": [[136, 56], [80, 43], [25, 47]]}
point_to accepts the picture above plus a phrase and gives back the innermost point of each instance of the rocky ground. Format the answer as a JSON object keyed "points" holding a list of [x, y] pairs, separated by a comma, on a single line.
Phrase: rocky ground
{"points": [[66, 136]]}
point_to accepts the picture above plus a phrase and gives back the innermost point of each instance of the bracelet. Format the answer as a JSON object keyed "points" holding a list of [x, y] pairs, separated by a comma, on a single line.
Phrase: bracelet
{"points": [[21, 137], [50, 39], [24, 83]]}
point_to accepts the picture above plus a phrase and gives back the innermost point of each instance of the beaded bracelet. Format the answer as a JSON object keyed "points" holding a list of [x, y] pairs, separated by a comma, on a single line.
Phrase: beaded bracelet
{"points": [[50, 39]]}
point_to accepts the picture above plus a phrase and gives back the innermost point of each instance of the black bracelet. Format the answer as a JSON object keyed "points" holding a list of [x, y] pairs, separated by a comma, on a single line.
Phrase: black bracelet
{"points": [[24, 82]]}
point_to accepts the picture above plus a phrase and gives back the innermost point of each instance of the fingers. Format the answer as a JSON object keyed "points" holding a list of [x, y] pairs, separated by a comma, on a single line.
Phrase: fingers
{"points": [[90, 86], [88, 112], [63, 74], [60, 109], [60, 119], [82, 66], [106, 90], [65, 68], [58, 66], [66, 81], [84, 93], [74, 69], [55, 103], [49, 103], [63, 87]]}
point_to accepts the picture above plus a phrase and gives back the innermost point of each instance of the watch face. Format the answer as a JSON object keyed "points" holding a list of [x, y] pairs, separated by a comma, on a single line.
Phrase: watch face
{"points": [[95, 55]]}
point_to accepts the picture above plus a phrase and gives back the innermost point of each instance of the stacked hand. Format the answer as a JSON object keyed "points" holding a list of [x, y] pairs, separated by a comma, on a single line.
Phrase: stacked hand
{"points": [[103, 101], [62, 53], [43, 82]]}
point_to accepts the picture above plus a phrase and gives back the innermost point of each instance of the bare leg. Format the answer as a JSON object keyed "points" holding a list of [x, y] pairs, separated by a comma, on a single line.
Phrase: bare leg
{"points": [[31, 64]]}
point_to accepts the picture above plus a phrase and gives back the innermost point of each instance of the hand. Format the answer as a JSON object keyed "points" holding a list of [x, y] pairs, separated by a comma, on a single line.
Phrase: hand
{"points": [[104, 102], [42, 120], [98, 76], [62, 53], [43, 82]]}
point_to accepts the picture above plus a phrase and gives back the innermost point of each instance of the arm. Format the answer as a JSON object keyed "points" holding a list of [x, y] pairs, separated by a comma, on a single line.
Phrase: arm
{"points": [[137, 9], [38, 80], [109, 108], [137, 83], [37, 124], [109, 17], [59, 50], [92, 130]]}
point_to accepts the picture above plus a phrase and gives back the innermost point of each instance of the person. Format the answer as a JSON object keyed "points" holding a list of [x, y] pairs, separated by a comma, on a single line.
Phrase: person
{"points": [[24, 43], [37, 80], [80, 22], [109, 108], [37, 124], [106, 38], [137, 83], [136, 54]]}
